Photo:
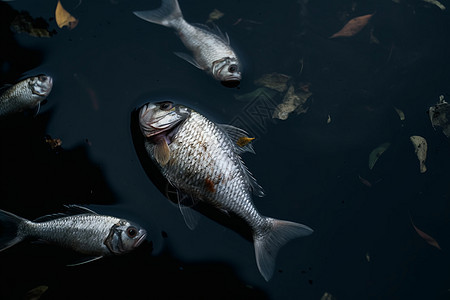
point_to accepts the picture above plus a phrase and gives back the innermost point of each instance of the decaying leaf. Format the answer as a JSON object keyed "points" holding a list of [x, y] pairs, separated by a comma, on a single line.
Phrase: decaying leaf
{"points": [[24, 23], [53, 143], [244, 141], [36, 293], [275, 81], [426, 237], [440, 116], [215, 15], [376, 153], [420, 147], [293, 101], [353, 26], [327, 296], [64, 18], [400, 113], [437, 3]]}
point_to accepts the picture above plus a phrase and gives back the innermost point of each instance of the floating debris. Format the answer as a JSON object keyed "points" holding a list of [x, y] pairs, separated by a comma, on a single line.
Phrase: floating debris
{"points": [[426, 237], [376, 153], [329, 119], [275, 81], [368, 257], [353, 26], [439, 116], [53, 143], [36, 293], [437, 3], [327, 296], [292, 101], [244, 141], [215, 15], [64, 18], [420, 147], [400, 113], [24, 23]]}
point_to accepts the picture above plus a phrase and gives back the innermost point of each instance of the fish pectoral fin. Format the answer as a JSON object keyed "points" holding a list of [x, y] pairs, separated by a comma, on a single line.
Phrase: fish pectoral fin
{"points": [[162, 152], [185, 202], [188, 58], [85, 260]]}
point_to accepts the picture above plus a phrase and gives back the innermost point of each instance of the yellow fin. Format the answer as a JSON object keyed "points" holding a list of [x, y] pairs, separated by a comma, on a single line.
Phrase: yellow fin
{"points": [[162, 152], [244, 141]]}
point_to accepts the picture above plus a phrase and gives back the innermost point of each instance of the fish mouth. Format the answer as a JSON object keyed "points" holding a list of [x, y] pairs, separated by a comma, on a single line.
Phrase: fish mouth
{"points": [[231, 82], [141, 239], [43, 85], [152, 125]]}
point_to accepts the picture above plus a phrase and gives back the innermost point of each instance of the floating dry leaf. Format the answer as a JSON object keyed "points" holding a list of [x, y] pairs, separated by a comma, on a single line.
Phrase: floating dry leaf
{"points": [[426, 237], [440, 116], [353, 26], [376, 153], [275, 81], [293, 101], [420, 147], [327, 296], [244, 141], [36, 293], [53, 143], [400, 113], [215, 15], [64, 18], [437, 3], [24, 23]]}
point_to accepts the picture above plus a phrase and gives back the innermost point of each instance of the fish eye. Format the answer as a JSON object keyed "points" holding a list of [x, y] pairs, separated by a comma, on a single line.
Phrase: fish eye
{"points": [[166, 105], [131, 232], [232, 68]]}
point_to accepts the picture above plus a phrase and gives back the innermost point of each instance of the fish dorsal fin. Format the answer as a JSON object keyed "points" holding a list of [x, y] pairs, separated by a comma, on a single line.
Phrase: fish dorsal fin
{"points": [[242, 143], [239, 137], [162, 152], [214, 29], [71, 210], [188, 58]]}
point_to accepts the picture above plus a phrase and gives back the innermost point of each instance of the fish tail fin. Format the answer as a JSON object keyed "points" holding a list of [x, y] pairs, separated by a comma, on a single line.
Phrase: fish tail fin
{"points": [[164, 15], [270, 241], [9, 229]]}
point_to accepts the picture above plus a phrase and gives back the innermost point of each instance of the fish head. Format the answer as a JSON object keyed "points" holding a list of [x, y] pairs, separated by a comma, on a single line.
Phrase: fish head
{"points": [[227, 71], [40, 85], [161, 117], [124, 236]]}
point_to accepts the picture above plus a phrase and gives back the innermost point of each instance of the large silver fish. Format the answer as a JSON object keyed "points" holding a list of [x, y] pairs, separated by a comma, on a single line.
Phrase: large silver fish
{"points": [[26, 94], [79, 229], [210, 47], [201, 160]]}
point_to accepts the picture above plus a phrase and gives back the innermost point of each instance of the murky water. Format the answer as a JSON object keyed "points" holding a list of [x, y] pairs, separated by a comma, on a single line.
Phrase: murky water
{"points": [[313, 171]]}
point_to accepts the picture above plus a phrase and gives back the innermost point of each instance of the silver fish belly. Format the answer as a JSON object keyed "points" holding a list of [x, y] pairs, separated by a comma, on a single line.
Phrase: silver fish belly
{"points": [[203, 162], [26, 94], [210, 48]]}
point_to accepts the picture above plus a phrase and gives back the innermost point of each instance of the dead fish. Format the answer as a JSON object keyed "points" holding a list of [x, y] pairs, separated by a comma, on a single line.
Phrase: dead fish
{"points": [[202, 161], [210, 47], [26, 94], [79, 229]]}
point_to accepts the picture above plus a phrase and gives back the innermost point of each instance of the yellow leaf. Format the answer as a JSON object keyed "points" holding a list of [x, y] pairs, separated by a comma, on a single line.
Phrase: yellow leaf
{"points": [[64, 18]]}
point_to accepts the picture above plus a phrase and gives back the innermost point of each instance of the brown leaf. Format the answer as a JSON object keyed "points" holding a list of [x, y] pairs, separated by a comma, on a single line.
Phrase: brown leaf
{"points": [[244, 141], [353, 26], [64, 18], [426, 237]]}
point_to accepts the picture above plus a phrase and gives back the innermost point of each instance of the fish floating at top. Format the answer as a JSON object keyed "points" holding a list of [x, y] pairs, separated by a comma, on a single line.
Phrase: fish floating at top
{"points": [[210, 47], [79, 229], [202, 161], [26, 94]]}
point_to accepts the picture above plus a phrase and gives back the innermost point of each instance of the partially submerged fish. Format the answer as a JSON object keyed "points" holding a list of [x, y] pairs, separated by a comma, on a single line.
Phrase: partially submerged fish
{"points": [[210, 47], [201, 160], [26, 94], [79, 229]]}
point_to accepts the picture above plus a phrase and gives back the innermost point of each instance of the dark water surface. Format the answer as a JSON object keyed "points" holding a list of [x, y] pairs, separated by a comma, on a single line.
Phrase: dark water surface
{"points": [[364, 245]]}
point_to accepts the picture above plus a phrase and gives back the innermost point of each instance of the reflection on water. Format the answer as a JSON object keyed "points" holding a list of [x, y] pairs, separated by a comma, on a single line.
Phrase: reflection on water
{"points": [[314, 166]]}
